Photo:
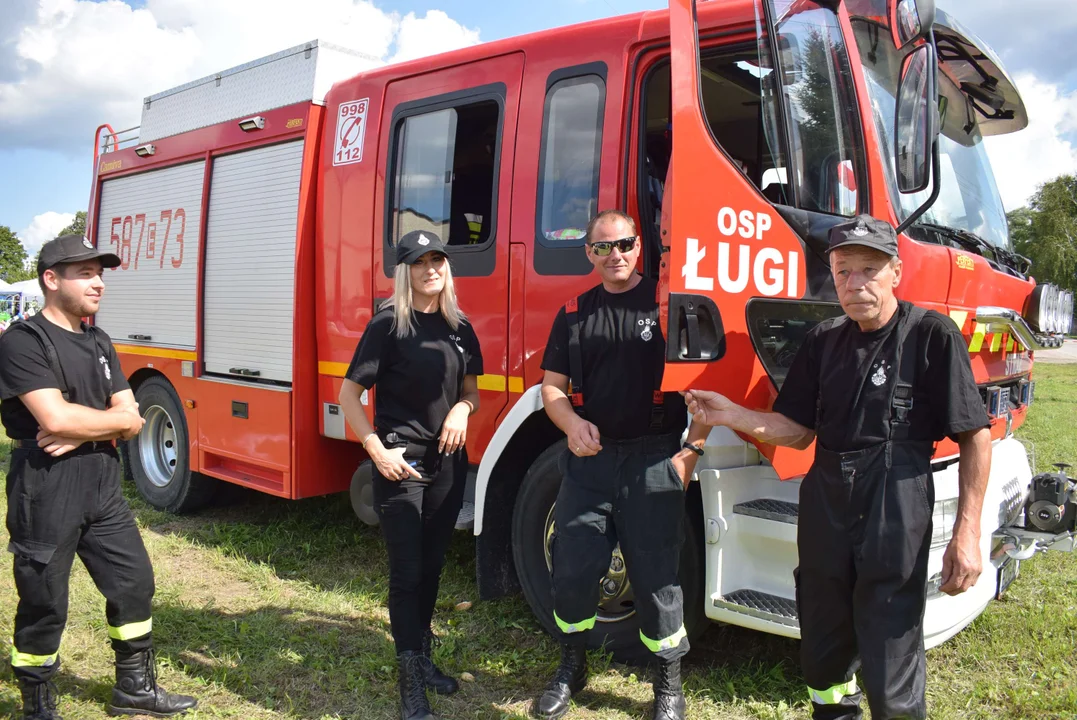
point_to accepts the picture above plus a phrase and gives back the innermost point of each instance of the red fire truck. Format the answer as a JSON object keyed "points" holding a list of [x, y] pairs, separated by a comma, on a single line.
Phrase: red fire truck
{"points": [[255, 212]]}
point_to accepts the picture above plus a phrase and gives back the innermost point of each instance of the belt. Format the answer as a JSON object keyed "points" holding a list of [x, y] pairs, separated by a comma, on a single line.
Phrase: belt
{"points": [[86, 447], [647, 443]]}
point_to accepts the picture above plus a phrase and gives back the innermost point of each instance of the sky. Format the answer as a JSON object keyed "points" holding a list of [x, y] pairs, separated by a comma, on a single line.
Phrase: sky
{"points": [[67, 66]]}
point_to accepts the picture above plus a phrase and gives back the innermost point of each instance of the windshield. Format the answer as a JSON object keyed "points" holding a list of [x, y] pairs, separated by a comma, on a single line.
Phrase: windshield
{"points": [[969, 199]]}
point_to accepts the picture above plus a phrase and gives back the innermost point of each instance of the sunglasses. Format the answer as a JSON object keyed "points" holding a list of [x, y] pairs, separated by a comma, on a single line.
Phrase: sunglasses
{"points": [[602, 248]]}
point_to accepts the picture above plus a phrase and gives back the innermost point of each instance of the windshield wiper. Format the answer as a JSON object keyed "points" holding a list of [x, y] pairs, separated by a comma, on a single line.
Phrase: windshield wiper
{"points": [[999, 258]]}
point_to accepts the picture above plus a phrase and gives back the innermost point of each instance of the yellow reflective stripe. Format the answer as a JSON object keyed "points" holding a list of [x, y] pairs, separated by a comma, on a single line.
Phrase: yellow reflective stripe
{"points": [[977, 338], [834, 694], [1009, 344], [516, 385], [131, 630], [666, 643], [959, 317], [578, 627], [996, 342], [21, 659], [494, 383]]}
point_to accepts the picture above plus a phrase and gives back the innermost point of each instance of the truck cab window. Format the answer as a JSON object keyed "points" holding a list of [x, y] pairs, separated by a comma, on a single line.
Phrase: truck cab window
{"points": [[571, 155], [445, 174]]}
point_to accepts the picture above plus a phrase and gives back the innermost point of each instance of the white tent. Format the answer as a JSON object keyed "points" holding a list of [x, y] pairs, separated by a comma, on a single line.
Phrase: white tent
{"points": [[4, 287], [29, 288]]}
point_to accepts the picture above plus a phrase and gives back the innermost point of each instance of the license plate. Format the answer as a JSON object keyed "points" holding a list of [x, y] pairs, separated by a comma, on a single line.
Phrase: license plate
{"points": [[1006, 575]]}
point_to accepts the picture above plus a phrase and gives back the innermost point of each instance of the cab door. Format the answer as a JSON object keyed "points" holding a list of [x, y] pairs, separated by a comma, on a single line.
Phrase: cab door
{"points": [[449, 139], [728, 245]]}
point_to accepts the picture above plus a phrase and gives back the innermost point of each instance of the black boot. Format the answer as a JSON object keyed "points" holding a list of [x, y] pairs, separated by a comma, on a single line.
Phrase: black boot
{"points": [[570, 679], [38, 700], [414, 704], [668, 691], [436, 680], [137, 692]]}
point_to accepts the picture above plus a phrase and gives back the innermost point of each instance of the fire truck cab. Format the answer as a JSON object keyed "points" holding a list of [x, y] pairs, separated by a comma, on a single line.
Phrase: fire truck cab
{"points": [[256, 211]]}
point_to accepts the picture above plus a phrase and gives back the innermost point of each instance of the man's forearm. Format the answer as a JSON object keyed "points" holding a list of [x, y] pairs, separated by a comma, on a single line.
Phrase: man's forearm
{"points": [[558, 408], [973, 470], [770, 427], [83, 423]]}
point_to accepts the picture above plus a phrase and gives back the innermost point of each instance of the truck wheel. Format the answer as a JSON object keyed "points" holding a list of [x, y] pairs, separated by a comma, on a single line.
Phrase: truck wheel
{"points": [[617, 629], [158, 457], [362, 494]]}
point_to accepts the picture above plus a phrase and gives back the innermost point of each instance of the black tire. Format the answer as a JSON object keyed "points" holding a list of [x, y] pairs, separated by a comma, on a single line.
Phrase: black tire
{"points": [[158, 459], [537, 495]]}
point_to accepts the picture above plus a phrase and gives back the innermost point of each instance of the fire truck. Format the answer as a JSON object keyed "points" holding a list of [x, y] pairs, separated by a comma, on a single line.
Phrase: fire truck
{"points": [[255, 212]]}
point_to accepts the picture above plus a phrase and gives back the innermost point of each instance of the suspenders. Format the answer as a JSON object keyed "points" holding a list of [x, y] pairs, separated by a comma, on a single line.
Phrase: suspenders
{"points": [[575, 365], [54, 359]]}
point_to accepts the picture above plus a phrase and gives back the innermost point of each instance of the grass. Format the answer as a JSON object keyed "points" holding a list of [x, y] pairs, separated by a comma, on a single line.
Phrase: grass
{"points": [[276, 609]]}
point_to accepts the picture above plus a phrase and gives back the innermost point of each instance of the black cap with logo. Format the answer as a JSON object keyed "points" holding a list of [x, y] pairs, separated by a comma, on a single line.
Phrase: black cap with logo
{"points": [[866, 231], [69, 249], [417, 243]]}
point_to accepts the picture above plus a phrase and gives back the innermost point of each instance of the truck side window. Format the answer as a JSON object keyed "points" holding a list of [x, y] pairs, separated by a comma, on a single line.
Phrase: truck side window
{"points": [[445, 174], [571, 156]]}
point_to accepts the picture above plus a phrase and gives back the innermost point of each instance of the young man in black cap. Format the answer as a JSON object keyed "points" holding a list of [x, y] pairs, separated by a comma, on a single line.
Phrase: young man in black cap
{"points": [[63, 400], [875, 388], [625, 470]]}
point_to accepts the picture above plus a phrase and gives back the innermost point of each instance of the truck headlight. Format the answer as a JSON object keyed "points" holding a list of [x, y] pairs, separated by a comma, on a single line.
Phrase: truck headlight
{"points": [[942, 522]]}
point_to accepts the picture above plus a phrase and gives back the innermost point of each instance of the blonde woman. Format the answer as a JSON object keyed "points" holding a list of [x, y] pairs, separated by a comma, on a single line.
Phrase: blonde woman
{"points": [[423, 356]]}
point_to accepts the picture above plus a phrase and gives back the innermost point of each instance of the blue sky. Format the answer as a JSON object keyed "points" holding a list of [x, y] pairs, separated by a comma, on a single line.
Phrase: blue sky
{"points": [[89, 61]]}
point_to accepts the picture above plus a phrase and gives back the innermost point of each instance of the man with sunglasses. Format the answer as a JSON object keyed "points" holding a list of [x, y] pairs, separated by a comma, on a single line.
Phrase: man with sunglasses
{"points": [[625, 470]]}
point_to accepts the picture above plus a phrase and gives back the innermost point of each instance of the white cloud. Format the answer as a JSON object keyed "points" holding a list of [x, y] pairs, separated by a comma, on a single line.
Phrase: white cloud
{"points": [[1042, 151], [43, 227], [73, 64]]}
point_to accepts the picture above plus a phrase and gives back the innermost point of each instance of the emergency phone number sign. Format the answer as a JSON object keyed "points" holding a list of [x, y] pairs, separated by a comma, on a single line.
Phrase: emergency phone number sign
{"points": [[351, 131]]}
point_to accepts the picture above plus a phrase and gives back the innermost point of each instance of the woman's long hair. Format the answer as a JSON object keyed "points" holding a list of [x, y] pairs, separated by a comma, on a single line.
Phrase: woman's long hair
{"points": [[403, 321]]}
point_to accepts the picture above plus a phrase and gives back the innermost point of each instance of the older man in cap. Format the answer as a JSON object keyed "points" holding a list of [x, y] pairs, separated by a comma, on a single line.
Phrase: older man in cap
{"points": [[874, 388], [63, 401]]}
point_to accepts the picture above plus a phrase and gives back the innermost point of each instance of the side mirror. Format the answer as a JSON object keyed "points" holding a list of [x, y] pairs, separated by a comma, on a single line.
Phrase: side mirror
{"points": [[911, 20], [916, 122]]}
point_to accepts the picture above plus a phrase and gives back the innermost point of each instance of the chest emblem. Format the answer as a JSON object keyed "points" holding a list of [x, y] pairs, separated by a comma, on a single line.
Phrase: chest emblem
{"points": [[105, 367], [456, 341], [878, 378], [646, 324]]}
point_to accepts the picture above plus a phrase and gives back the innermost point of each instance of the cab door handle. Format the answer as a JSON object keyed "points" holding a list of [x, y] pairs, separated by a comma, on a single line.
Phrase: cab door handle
{"points": [[696, 333]]}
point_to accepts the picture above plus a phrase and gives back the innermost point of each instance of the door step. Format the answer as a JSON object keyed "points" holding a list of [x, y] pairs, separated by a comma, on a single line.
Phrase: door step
{"points": [[767, 509], [761, 605]]}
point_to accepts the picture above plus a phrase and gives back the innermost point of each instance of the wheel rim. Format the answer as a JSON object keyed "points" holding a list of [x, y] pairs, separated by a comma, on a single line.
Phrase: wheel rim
{"points": [[157, 446], [616, 601]]}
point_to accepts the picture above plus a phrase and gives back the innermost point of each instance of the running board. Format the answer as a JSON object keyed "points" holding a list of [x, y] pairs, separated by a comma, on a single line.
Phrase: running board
{"points": [[466, 519], [767, 509], [760, 605]]}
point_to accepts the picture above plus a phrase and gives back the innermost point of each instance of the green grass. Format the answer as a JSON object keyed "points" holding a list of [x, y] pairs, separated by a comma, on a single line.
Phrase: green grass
{"points": [[274, 609]]}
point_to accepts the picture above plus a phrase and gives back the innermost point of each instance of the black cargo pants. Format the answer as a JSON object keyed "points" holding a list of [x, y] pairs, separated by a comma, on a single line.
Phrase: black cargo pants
{"points": [[629, 493], [57, 507], [863, 538]]}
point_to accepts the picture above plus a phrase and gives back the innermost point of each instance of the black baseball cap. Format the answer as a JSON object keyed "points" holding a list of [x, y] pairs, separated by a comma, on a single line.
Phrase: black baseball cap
{"points": [[866, 231], [69, 249], [417, 243]]}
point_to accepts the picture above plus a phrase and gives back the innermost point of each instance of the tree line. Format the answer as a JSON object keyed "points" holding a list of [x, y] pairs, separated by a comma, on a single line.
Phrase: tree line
{"points": [[13, 257], [1045, 232]]}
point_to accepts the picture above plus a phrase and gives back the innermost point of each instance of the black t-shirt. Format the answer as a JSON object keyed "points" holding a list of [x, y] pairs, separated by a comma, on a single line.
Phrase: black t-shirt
{"points": [[419, 377], [24, 367], [621, 343], [946, 400]]}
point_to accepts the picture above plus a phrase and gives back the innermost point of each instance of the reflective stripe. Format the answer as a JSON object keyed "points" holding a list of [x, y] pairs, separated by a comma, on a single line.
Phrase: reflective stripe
{"points": [[996, 342], [667, 643], [977, 340], [835, 694], [131, 630], [569, 628], [21, 659]]}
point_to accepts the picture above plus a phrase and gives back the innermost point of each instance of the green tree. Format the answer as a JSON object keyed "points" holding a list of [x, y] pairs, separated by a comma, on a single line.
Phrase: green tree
{"points": [[1046, 232], [12, 257], [77, 226]]}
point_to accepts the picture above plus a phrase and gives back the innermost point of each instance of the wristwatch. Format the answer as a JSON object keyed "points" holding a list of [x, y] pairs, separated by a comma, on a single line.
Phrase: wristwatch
{"points": [[693, 448]]}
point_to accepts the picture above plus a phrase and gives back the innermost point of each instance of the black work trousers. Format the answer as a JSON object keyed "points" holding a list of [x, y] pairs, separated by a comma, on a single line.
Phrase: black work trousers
{"points": [[629, 493], [864, 536], [57, 508], [417, 521]]}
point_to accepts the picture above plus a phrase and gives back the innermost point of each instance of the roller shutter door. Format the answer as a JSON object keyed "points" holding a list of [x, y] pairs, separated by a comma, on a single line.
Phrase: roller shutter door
{"points": [[152, 221], [250, 262]]}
